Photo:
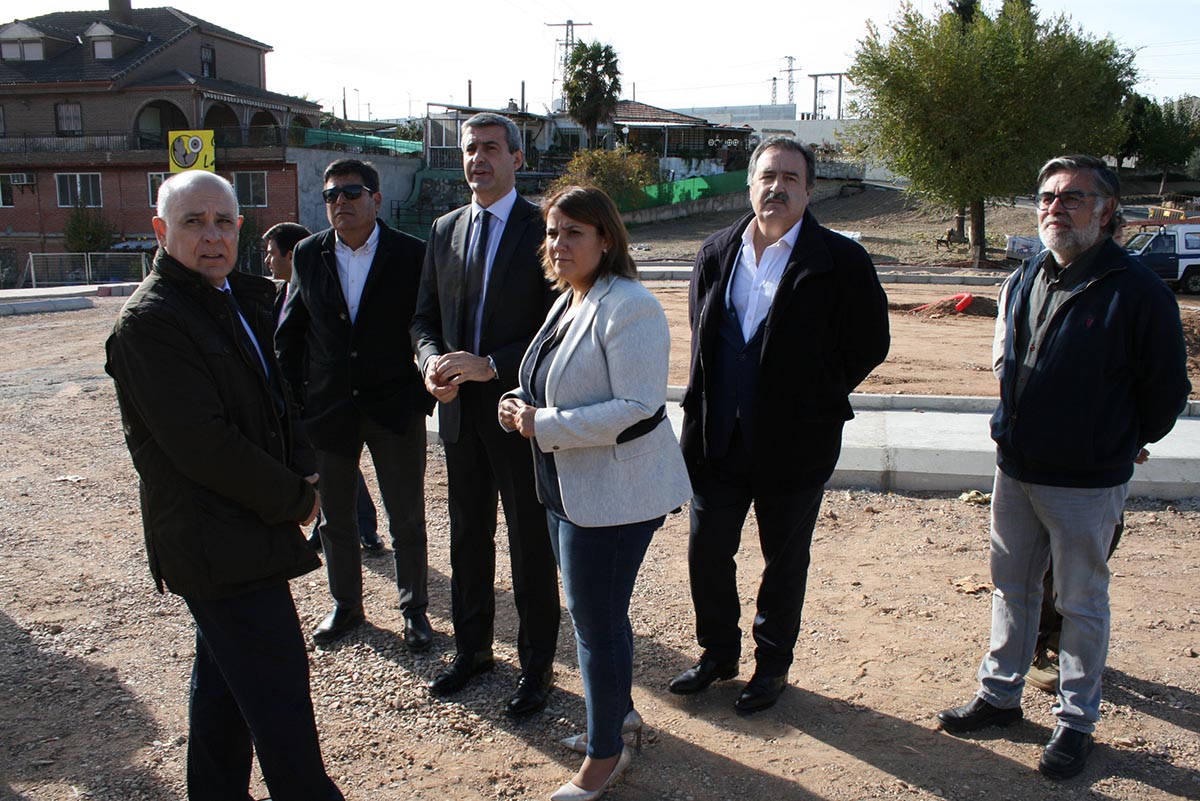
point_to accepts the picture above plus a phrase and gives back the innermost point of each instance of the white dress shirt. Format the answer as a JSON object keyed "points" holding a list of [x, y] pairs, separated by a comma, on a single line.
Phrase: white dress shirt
{"points": [[353, 266], [753, 285]]}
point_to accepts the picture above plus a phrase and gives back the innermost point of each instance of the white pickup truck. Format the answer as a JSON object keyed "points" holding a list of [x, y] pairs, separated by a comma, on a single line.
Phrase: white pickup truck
{"points": [[1172, 252]]}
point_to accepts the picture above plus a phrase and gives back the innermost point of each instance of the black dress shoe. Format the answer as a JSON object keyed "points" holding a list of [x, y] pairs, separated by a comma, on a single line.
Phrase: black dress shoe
{"points": [[530, 697], [314, 539], [760, 693], [418, 634], [978, 714], [1066, 754], [338, 624], [464, 668], [703, 673], [370, 541]]}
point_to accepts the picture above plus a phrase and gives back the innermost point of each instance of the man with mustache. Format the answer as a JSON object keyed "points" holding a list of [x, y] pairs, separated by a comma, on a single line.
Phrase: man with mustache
{"points": [[1092, 368], [787, 318]]}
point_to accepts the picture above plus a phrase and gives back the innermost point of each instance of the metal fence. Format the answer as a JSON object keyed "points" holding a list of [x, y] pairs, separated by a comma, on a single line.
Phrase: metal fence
{"points": [[66, 269]]}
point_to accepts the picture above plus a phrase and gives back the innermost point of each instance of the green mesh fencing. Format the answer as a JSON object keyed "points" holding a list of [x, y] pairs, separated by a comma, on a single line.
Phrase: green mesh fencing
{"points": [[314, 137], [671, 192]]}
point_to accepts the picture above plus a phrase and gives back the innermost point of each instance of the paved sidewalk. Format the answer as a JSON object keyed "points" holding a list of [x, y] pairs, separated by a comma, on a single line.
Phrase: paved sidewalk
{"points": [[895, 442]]}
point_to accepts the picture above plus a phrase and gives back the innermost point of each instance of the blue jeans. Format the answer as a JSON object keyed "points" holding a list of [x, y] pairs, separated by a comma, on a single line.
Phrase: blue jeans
{"points": [[599, 567], [1031, 524]]}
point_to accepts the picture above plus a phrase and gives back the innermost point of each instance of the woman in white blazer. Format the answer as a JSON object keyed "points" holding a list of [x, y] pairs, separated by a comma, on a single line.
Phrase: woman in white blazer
{"points": [[592, 400]]}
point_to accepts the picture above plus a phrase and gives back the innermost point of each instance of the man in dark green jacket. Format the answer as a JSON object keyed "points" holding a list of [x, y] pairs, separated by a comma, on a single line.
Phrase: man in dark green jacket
{"points": [[223, 492]]}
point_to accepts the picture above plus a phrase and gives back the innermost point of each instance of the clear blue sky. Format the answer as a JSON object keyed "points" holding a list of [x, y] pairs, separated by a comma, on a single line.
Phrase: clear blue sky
{"points": [[399, 56]]}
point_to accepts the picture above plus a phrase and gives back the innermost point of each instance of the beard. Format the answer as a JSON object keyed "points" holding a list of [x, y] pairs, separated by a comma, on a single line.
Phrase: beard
{"points": [[1068, 243]]}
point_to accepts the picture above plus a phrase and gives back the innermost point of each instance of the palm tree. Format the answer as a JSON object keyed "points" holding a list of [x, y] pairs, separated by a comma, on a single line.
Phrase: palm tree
{"points": [[592, 85]]}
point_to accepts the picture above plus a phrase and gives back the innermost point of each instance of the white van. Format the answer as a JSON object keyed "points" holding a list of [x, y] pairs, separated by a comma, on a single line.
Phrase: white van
{"points": [[1172, 252]]}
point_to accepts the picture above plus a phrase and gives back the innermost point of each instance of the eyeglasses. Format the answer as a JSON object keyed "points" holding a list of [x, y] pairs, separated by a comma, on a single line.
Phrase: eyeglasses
{"points": [[1070, 200], [351, 191]]}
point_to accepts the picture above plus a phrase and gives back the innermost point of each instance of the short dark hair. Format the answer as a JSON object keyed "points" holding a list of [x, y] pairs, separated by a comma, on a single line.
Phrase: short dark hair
{"points": [[591, 206], [363, 169], [485, 119], [286, 235], [1107, 181], [785, 143]]}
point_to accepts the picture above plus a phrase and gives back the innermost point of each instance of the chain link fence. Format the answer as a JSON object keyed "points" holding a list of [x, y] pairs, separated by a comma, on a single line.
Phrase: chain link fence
{"points": [[67, 269]]}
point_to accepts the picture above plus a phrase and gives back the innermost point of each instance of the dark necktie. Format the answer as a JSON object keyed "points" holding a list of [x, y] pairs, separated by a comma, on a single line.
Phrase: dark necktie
{"points": [[243, 336], [476, 269]]}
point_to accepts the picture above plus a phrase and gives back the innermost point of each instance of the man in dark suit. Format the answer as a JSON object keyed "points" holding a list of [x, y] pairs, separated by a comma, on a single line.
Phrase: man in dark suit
{"points": [[343, 348], [787, 318], [483, 297], [280, 241], [223, 492]]}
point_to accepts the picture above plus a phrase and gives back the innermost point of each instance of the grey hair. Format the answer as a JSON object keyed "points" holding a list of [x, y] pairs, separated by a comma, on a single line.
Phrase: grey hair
{"points": [[1106, 181], [785, 143], [487, 118], [186, 180]]}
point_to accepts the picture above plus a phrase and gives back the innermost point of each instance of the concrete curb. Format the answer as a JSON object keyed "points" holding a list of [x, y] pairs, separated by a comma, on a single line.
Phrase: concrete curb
{"points": [[44, 306]]}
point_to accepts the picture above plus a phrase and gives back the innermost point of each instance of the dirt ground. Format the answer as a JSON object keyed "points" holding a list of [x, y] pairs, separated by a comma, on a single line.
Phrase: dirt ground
{"points": [[94, 665]]}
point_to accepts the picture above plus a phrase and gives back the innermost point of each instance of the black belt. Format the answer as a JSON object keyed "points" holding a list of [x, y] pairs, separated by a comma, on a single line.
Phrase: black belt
{"points": [[643, 427]]}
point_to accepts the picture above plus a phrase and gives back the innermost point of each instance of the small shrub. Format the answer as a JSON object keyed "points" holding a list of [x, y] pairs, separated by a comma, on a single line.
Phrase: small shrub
{"points": [[621, 173]]}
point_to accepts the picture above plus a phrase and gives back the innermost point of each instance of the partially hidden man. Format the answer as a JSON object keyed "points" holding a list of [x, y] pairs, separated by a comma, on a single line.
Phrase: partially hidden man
{"points": [[483, 297], [225, 486], [787, 319], [344, 349], [1092, 368]]}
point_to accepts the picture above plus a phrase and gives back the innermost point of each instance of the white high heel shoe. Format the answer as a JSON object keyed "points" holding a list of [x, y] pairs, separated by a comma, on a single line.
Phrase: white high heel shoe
{"points": [[633, 724], [572, 792]]}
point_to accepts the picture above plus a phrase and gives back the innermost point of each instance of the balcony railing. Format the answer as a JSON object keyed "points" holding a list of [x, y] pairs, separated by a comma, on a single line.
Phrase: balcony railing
{"points": [[253, 136]]}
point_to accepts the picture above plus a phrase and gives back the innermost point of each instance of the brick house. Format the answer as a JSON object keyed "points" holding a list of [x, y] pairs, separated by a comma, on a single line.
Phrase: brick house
{"points": [[87, 99]]}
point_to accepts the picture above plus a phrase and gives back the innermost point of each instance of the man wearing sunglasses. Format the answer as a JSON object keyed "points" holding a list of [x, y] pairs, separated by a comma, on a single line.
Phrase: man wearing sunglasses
{"points": [[483, 297], [344, 349], [1091, 362]]}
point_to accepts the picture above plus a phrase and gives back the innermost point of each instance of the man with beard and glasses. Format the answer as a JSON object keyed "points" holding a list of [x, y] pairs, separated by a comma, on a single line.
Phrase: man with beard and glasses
{"points": [[1092, 368]]}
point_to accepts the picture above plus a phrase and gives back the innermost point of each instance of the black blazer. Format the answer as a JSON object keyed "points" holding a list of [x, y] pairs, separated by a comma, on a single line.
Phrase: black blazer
{"points": [[517, 299], [339, 370], [826, 330]]}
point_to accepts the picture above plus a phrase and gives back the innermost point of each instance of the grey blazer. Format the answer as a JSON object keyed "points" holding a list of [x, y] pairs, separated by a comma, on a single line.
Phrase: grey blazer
{"points": [[609, 373]]}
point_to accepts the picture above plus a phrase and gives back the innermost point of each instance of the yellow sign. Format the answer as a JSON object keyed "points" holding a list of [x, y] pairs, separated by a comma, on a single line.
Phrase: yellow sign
{"points": [[192, 150]]}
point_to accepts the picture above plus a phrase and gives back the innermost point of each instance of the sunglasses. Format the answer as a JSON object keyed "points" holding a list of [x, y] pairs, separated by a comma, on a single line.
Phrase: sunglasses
{"points": [[351, 191]]}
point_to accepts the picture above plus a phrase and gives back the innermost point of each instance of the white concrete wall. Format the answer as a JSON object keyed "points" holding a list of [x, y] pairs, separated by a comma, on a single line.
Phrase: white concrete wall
{"points": [[396, 180]]}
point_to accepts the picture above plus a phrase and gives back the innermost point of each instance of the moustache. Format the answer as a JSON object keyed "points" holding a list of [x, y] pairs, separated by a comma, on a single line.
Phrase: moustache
{"points": [[780, 196]]}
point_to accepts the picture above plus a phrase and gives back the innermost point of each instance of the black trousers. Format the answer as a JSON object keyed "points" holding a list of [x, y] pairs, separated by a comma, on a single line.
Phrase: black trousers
{"points": [[250, 693], [724, 491], [400, 467], [485, 462]]}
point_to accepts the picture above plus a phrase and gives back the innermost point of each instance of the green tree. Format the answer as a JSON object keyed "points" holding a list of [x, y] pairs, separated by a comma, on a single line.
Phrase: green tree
{"points": [[1170, 135], [592, 86], [411, 130], [621, 173], [970, 111], [87, 231]]}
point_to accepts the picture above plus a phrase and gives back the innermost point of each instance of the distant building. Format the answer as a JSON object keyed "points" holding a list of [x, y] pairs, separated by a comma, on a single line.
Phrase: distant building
{"points": [[87, 99]]}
